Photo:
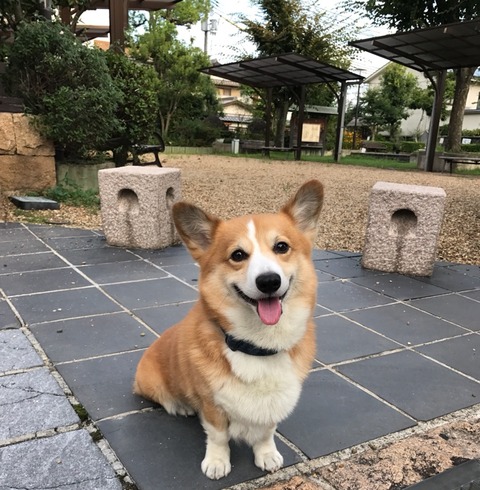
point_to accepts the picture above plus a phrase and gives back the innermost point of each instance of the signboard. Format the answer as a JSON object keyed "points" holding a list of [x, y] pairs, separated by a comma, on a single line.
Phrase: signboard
{"points": [[311, 133]]}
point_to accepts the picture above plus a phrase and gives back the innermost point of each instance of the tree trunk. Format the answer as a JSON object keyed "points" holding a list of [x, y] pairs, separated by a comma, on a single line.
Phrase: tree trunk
{"points": [[281, 112], [463, 77]]}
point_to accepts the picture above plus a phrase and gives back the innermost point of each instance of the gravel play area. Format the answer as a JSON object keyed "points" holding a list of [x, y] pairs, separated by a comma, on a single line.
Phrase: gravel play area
{"points": [[231, 186]]}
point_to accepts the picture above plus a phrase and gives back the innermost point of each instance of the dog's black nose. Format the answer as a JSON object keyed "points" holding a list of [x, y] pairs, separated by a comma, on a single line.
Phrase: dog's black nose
{"points": [[268, 282]]}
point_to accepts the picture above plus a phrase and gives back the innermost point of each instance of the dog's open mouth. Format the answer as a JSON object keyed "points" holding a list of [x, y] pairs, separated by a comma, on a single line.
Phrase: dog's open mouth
{"points": [[269, 309]]}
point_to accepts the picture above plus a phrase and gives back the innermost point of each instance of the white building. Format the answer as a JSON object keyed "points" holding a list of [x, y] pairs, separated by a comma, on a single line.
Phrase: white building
{"points": [[417, 124]]}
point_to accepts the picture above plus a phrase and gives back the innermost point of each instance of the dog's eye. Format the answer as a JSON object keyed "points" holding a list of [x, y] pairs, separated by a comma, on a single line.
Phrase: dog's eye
{"points": [[281, 248], [239, 255]]}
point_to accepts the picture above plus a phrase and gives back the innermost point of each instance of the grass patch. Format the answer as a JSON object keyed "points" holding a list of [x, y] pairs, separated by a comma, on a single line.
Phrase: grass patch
{"points": [[367, 161], [81, 412], [71, 194], [464, 171], [31, 216], [360, 160]]}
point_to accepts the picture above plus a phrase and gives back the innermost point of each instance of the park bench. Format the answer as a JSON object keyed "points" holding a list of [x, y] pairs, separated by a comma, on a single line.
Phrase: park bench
{"points": [[452, 160], [136, 150], [373, 146], [283, 149], [252, 146]]}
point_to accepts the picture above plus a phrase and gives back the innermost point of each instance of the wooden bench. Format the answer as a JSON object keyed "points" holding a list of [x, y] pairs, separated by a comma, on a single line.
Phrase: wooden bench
{"points": [[373, 146], [138, 150], [283, 149], [452, 160], [252, 146], [315, 149]]}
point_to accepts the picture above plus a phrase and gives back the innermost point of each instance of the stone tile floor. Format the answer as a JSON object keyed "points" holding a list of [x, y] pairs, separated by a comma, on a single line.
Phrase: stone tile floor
{"points": [[76, 314]]}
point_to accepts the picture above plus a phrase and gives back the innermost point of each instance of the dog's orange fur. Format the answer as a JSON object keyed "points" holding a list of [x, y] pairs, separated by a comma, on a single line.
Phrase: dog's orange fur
{"points": [[186, 368]]}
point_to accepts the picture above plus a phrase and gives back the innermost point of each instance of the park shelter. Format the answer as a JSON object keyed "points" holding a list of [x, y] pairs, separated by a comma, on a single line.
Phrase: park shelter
{"points": [[290, 70], [432, 50], [118, 16]]}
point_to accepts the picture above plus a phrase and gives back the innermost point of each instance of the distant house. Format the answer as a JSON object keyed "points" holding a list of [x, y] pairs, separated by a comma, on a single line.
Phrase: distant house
{"points": [[417, 124], [236, 107]]}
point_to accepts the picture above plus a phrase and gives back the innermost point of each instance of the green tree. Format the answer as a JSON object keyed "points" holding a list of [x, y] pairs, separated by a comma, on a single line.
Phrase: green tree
{"points": [[137, 111], [397, 88], [423, 98], [289, 26], [386, 106], [65, 85], [13, 12], [371, 109], [402, 16], [177, 66]]}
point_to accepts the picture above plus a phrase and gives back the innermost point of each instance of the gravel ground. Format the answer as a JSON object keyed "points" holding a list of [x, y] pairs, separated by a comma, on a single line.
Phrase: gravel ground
{"points": [[231, 186]]}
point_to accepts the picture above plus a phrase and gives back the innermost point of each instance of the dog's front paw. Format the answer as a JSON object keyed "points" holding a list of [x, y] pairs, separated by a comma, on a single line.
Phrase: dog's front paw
{"points": [[269, 460], [216, 467]]}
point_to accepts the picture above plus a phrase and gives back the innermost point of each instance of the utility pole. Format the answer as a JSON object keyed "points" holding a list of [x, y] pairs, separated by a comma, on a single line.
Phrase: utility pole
{"points": [[354, 142], [208, 25], [46, 10]]}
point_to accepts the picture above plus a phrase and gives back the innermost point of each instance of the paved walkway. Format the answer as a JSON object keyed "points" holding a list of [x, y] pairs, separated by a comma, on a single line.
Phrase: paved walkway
{"points": [[75, 316]]}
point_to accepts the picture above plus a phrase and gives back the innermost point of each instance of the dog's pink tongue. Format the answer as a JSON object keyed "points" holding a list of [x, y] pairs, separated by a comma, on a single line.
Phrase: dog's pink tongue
{"points": [[269, 310]]}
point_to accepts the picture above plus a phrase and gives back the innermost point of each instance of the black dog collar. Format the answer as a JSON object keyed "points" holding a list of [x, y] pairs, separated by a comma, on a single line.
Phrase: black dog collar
{"points": [[247, 347]]}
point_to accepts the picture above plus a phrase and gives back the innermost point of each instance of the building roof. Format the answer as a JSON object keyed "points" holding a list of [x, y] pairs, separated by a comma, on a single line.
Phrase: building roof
{"points": [[236, 118], [318, 109], [137, 4], [449, 46], [221, 82], [283, 70]]}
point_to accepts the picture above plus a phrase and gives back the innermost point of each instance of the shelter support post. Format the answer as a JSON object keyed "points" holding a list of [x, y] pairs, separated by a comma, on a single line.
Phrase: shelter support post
{"points": [[118, 21], [340, 121], [301, 117], [435, 120], [268, 118]]}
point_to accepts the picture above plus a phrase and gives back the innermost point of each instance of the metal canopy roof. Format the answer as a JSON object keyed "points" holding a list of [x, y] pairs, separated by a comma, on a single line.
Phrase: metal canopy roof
{"points": [[444, 47], [282, 70]]}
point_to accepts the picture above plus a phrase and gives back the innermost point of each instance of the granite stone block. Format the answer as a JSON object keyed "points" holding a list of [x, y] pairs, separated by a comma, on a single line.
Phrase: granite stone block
{"points": [[404, 223]]}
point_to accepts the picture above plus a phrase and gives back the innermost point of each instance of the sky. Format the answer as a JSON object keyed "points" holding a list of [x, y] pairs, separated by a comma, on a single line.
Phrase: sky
{"points": [[229, 41]]}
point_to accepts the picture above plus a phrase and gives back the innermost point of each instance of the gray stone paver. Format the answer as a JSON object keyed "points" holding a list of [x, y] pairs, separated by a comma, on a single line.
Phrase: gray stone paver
{"points": [[65, 461], [43, 444], [16, 351], [31, 402]]}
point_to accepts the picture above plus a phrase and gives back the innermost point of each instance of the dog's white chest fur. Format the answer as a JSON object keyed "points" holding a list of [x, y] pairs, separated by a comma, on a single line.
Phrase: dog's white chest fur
{"points": [[262, 392]]}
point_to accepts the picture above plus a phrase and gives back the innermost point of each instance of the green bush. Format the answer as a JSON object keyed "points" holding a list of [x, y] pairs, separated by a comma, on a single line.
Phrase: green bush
{"points": [[411, 146], [64, 84], [70, 193], [470, 132], [471, 148], [138, 109], [194, 132]]}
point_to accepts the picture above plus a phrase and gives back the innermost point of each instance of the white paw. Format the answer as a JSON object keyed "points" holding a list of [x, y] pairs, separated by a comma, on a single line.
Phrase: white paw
{"points": [[269, 461], [216, 468], [185, 411]]}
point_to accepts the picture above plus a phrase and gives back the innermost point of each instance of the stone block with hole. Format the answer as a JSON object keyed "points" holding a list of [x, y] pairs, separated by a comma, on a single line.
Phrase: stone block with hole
{"points": [[136, 206], [404, 223]]}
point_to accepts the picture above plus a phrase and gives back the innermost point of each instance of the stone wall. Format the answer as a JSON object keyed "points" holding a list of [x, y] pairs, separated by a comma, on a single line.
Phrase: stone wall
{"points": [[27, 161]]}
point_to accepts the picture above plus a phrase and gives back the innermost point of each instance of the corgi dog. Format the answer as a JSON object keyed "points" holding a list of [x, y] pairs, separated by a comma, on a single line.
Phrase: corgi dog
{"points": [[239, 357]]}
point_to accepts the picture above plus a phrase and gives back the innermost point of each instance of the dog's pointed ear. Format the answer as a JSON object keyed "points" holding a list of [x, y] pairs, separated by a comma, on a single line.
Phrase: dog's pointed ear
{"points": [[304, 208], [194, 226]]}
